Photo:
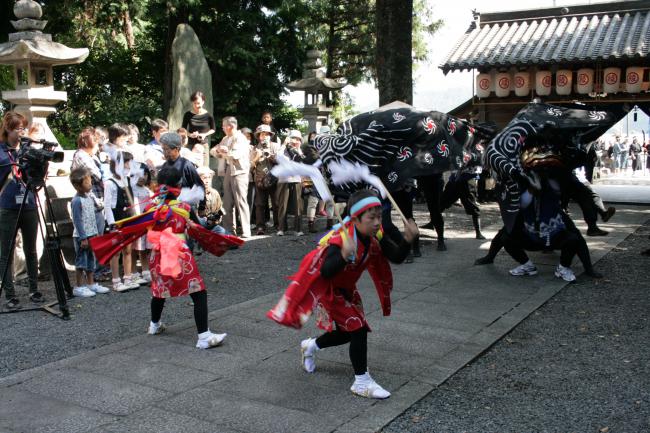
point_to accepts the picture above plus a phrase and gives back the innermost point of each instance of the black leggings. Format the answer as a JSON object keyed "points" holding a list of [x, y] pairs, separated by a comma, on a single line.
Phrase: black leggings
{"points": [[432, 187], [565, 241], [358, 346], [200, 300], [460, 188]]}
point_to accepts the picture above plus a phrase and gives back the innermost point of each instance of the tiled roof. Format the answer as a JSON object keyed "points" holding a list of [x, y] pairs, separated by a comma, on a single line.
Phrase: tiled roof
{"points": [[557, 36]]}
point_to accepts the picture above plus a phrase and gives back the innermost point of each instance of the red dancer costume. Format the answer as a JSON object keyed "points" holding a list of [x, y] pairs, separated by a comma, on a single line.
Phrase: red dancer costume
{"points": [[334, 299], [326, 284], [181, 276]]}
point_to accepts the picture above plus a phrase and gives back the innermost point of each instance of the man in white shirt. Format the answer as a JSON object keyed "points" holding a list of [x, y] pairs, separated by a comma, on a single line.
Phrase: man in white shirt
{"points": [[234, 149]]}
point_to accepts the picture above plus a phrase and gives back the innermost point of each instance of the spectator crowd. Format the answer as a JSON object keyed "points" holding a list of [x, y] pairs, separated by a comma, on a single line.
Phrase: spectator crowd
{"points": [[114, 174]]}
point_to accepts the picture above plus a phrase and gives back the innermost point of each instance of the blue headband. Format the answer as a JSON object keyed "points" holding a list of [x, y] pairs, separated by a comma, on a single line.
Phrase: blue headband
{"points": [[363, 205]]}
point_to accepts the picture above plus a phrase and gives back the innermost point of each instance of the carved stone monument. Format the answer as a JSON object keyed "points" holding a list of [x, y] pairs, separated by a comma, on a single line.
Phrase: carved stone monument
{"points": [[191, 73]]}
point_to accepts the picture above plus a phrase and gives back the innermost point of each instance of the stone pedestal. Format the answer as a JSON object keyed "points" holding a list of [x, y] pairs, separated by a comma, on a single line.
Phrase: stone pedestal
{"points": [[36, 104], [316, 116]]}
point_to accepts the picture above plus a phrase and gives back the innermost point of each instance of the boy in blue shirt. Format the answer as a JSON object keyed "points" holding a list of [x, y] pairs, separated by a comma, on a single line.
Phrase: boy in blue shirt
{"points": [[85, 227]]}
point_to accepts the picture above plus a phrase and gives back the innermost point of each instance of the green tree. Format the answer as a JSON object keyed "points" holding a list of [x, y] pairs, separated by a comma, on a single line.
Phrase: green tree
{"points": [[119, 81]]}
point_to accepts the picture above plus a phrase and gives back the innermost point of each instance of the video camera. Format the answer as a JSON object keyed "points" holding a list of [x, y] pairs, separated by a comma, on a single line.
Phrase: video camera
{"points": [[33, 160], [214, 218]]}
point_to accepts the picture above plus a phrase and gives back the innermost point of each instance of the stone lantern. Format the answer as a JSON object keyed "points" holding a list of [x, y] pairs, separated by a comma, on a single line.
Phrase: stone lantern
{"points": [[318, 91], [33, 56]]}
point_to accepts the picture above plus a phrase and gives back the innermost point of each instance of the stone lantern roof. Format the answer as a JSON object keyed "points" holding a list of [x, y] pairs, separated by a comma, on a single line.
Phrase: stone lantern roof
{"points": [[313, 77], [30, 44]]}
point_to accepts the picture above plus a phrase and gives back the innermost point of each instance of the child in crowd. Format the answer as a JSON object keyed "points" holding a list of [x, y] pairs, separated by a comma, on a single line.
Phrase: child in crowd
{"points": [[85, 227], [153, 154], [118, 199], [140, 180], [118, 136], [192, 154], [133, 144], [326, 280]]}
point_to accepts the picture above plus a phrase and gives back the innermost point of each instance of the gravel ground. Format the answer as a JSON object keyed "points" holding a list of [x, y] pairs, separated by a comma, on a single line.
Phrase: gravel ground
{"points": [[578, 364], [30, 339]]}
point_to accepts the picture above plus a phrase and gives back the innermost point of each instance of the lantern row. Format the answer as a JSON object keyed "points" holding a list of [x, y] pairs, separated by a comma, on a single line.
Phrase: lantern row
{"points": [[502, 83]]}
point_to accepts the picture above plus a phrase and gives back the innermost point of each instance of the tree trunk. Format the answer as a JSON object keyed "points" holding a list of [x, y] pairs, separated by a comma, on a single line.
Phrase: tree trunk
{"points": [[175, 16], [128, 30], [330, 41], [394, 62]]}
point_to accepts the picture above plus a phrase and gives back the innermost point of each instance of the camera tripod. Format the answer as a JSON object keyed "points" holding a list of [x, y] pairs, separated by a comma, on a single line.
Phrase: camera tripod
{"points": [[52, 244]]}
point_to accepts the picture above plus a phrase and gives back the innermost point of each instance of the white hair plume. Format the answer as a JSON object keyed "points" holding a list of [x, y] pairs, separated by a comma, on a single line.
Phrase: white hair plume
{"points": [[286, 168], [192, 195], [344, 172]]}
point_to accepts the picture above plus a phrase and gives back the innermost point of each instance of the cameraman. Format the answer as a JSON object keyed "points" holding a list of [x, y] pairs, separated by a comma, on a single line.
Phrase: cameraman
{"points": [[13, 190], [262, 162], [289, 190]]}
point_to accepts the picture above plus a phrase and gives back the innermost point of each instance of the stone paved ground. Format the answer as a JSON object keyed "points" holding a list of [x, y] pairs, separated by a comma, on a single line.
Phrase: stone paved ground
{"points": [[578, 364], [445, 313], [257, 269]]}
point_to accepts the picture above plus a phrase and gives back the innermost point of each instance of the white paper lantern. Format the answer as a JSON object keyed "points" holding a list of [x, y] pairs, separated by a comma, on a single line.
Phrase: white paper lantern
{"points": [[543, 82], [585, 81], [483, 85], [563, 80], [502, 82], [633, 79], [611, 80], [522, 83]]}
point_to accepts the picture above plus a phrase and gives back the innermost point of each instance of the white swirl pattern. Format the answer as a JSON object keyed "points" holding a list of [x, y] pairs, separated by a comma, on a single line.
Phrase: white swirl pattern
{"points": [[597, 115], [553, 111]]}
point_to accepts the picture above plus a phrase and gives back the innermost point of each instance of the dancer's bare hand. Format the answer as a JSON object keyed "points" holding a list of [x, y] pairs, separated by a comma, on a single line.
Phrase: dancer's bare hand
{"points": [[348, 249], [410, 231]]}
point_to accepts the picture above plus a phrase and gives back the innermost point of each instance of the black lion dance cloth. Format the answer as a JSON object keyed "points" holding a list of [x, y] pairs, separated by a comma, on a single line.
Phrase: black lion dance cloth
{"points": [[542, 135], [398, 142]]}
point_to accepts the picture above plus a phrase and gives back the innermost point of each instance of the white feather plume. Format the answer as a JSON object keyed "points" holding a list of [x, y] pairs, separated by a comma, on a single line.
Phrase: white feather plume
{"points": [[344, 172], [192, 195], [286, 168]]}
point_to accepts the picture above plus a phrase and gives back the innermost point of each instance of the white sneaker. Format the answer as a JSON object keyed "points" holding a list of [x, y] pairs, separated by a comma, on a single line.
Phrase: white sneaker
{"points": [[83, 292], [156, 328], [269, 224], [99, 289], [308, 354], [137, 278], [280, 233], [146, 275], [119, 286], [208, 339], [367, 387], [527, 268], [299, 233], [130, 282], [565, 273]]}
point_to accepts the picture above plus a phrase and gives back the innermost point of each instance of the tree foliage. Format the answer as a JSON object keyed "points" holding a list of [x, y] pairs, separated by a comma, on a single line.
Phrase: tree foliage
{"points": [[253, 47]]}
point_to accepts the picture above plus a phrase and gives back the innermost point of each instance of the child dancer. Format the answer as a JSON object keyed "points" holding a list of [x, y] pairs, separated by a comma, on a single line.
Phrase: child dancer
{"points": [[171, 222], [326, 282]]}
